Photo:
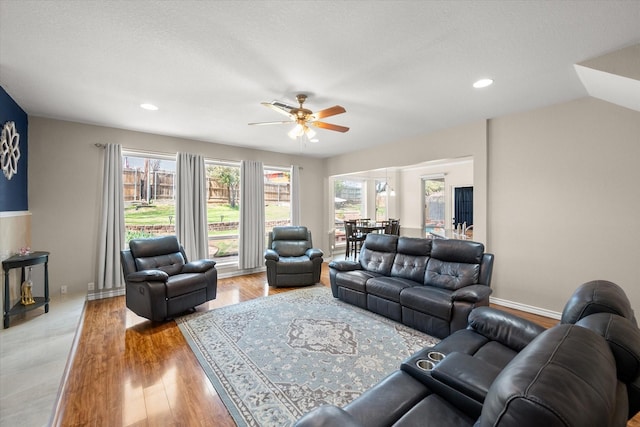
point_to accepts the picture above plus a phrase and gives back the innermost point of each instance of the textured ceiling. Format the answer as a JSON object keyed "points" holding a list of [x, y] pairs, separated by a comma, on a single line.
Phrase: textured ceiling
{"points": [[399, 68]]}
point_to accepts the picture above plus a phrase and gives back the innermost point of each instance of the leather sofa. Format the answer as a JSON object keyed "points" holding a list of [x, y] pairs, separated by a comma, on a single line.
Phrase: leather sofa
{"points": [[428, 284], [291, 259], [161, 283], [494, 337], [502, 371]]}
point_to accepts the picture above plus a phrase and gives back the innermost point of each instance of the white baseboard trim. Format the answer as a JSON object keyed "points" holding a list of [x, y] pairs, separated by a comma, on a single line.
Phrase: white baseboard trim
{"points": [[526, 308], [106, 294]]}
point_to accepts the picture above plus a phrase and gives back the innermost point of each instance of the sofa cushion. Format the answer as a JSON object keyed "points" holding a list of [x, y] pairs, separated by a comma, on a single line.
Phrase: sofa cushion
{"points": [[528, 392], [450, 275], [289, 233], [169, 263], [453, 250], [144, 248], [597, 296], [290, 248], [355, 279], [411, 258], [181, 284], [378, 253], [294, 265], [388, 288], [427, 299]]}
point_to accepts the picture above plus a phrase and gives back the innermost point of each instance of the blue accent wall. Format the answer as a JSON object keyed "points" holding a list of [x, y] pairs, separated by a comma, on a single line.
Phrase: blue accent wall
{"points": [[14, 193]]}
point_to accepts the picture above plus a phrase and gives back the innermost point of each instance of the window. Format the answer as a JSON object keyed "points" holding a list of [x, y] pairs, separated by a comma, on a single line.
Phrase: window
{"points": [[349, 203], [434, 204], [223, 211], [382, 199], [277, 197], [148, 195]]}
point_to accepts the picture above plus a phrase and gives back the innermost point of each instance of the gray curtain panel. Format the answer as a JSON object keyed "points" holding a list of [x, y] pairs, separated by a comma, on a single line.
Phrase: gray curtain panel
{"points": [[252, 243], [191, 206], [295, 195], [111, 239]]}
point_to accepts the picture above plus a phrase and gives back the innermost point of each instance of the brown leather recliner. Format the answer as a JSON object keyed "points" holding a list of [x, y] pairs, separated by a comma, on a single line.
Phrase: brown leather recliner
{"points": [[290, 258], [161, 283]]}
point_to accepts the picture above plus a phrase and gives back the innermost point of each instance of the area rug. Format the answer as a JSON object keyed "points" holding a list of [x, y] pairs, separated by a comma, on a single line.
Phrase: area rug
{"points": [[275, 358]]}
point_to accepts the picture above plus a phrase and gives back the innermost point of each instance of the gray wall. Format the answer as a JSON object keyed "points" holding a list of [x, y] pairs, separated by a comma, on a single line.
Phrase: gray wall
{"points": [[555, 193], [65, 186], [559, 187]]}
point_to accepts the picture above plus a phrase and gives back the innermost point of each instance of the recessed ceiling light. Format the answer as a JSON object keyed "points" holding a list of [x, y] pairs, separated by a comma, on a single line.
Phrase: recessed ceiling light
{"points": [[149, 107], [483, 83]]}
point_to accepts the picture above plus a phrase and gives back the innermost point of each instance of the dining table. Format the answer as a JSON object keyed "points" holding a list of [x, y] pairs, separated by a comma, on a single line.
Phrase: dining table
{"points": [[371, 227]]}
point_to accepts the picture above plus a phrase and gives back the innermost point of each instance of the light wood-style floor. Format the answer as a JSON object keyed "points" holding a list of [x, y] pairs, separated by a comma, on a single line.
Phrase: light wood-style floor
{"points": [[127, 371]]}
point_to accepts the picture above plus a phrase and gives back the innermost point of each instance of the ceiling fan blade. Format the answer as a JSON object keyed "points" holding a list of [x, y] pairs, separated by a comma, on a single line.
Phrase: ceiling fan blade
{"points": [[284, 122], [279, 107], [331, 111], [329, 126]]}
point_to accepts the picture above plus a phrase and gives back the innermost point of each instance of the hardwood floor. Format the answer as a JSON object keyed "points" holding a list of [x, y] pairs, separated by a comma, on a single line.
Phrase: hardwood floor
{"points": [[127, 371]]}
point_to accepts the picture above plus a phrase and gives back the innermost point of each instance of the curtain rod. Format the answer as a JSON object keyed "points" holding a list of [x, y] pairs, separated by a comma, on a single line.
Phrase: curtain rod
{"points": [[172, 155]]}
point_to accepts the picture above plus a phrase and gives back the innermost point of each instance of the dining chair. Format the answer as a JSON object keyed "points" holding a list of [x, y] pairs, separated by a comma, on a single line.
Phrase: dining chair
{"points": [[354, 239]]}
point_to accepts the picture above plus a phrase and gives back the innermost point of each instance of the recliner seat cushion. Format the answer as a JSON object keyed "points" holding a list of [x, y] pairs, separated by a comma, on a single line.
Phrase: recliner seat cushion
{"points": [[425, 299], [388, 288], [294, 265], [355, 279], [184, 283]]}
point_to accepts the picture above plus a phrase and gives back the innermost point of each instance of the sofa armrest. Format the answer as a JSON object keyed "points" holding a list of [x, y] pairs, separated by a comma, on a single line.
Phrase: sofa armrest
{"points": [[471, 293], [327, 416], [271, 255], [314, 253], [148, 276], [345, 265], [506, 328], [199, 266]]}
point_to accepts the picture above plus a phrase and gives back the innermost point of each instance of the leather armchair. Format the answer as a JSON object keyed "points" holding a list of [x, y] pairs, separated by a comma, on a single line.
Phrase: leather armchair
{"points": [[161, 283], [290, 258]]}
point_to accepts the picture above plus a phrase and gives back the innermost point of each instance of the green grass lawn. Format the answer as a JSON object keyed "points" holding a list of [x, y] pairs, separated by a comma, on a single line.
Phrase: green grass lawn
{"points": [[164, 213]]}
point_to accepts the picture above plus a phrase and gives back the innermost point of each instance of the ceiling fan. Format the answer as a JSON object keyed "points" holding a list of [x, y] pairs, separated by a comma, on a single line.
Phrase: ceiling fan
{"points": [[304, 118]]}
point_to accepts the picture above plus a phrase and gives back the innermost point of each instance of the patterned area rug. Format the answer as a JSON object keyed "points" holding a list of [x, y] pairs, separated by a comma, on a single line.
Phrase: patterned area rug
{"points": [[275, 358]]}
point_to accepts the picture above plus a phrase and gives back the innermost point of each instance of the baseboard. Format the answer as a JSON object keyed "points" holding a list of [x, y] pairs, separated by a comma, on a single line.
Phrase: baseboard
{"points": [[526, 308], [106, 294]]}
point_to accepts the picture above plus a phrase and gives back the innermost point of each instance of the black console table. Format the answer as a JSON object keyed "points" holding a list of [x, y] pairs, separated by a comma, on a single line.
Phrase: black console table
{"points": [[22, 261]]}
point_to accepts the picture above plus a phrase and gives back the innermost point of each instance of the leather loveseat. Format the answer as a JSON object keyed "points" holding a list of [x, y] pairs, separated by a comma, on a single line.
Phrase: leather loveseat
{"points": [[161, 283], [428, 284], [570, 375]]}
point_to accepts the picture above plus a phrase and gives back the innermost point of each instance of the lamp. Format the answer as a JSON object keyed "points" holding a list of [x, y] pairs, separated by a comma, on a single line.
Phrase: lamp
{"points": [[387, 187], [301, 129]]}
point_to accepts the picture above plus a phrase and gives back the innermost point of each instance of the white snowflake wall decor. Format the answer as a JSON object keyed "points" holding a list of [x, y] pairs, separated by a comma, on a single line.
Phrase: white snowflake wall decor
{"points": [[9, 150]]}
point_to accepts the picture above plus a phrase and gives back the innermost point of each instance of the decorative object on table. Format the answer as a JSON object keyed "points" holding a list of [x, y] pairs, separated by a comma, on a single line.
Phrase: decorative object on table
{"points": [[25, 251], [22, 262], [9, 150], [274, 358], [26, 294]]}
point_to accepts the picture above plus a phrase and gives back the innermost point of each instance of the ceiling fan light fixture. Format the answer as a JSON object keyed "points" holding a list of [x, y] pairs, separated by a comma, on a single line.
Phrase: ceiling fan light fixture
{"points": [[297, 131], [309, 132]]}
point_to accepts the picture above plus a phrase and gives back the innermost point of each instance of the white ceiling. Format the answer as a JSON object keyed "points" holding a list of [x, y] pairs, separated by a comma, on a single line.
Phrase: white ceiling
{"points": [[400, 68]]}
